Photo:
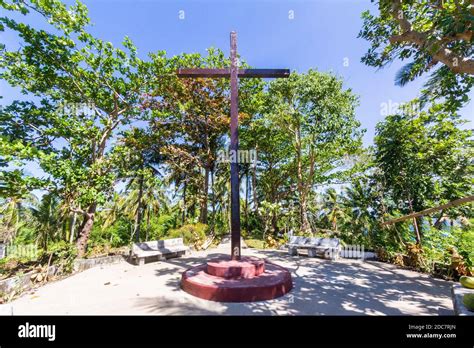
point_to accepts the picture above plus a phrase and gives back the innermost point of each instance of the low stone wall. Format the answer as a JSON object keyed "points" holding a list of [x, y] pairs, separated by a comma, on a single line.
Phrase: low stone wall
{"points": [[457, 292], [22, 282], [83, 264]]}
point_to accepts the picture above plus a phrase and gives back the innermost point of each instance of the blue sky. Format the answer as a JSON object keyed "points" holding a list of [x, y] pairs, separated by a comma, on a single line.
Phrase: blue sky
{"points": [[322, 35]]}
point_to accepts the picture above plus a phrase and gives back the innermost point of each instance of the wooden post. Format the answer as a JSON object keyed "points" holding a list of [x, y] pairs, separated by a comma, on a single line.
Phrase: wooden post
{"points": [[234, 146], [234, 73]]}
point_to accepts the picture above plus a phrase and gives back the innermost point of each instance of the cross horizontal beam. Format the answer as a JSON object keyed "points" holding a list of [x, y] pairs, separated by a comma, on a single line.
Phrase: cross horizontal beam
{"points": [[243, 73]]}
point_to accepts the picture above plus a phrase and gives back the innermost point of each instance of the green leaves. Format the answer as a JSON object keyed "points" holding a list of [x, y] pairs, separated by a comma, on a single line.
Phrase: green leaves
{"points": [[426, 34], [425, 159], [85, 88], [72, 19], [318, 115], [305, 133]]}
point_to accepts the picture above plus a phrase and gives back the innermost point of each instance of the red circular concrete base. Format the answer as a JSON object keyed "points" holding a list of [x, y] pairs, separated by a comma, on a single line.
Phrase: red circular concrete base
{"points": [[246, 267], [274, 281]]}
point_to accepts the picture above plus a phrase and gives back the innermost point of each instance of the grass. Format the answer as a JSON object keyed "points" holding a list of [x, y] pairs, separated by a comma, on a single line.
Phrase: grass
{"points": [[254, 243]]}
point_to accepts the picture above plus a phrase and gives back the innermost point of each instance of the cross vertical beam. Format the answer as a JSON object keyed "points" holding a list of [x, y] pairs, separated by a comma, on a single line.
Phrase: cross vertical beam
{"points": [[234, 73], [234, 146]]}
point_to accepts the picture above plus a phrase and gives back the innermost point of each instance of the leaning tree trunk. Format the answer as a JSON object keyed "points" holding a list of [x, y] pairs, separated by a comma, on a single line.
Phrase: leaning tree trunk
{"points": [[72, 226], [419, 229], [415, 223], [86, 229]]}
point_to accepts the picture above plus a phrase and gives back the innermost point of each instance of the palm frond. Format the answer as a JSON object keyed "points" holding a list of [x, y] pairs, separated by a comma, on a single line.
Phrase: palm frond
{"points": [[405, 74]]}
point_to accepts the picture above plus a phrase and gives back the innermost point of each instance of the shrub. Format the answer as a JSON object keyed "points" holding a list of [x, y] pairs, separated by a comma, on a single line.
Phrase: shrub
{"points": [[192, 234], [116, 235], [62, 254], [255, 243], [159, 226], [465, 244]]}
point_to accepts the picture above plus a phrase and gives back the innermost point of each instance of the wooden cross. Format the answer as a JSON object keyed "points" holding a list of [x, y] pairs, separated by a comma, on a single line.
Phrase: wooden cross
{"points": [[234, 73]]}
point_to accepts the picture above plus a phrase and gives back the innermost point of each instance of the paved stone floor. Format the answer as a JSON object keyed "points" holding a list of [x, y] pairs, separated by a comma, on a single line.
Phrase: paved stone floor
{"points": [[321, 287]]}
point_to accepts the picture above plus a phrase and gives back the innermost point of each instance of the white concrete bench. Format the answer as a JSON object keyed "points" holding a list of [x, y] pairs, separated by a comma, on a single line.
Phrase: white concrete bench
{"points": [[326, 247], [158, 249], [457, 294]]}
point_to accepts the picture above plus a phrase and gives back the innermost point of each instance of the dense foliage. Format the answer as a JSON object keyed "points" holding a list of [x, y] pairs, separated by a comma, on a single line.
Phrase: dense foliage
{"points": [[130, 152], [434, 36]]}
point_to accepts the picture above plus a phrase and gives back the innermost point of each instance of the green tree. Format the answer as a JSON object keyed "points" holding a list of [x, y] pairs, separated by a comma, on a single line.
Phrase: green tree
{"points": [[317, 116], [140, 153], [12, 215], [47, 219], [195, 116], [360, 211], [85, 90], [436, 36], [145, 200], [425, 159], [333, 210]]}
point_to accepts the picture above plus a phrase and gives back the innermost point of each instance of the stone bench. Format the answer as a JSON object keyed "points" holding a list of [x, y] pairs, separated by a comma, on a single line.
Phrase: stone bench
{"points": [[457, 293], [327, 247], [158, 249]]}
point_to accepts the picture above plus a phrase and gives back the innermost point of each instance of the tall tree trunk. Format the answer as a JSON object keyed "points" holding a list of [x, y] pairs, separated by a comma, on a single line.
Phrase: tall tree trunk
{"points": [[192, 209], [147, 223], [247, 191], [17, 219], [86, 229], [184, 202], [274, 223], [213, 202], [203, 212], [301, 184], [138, 219], [304, 213], [72, 226], [301, 187], [254, 189], [228, 208]]}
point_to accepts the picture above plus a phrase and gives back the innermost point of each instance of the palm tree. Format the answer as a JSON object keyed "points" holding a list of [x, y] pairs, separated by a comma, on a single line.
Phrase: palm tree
{"points": [[144, 157], [12, 210], [112, 211], [47, 219], [143, 200], [357, 204], [149, 196], [332, 210]]}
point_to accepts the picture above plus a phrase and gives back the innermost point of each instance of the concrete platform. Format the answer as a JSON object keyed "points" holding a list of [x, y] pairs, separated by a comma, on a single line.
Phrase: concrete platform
{"points": [[247, 267], [321, 287], [250, 279]]}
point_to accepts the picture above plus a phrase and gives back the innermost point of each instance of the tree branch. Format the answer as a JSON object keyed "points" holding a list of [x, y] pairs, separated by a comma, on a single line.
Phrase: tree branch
{"points": [[455, 62]]}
